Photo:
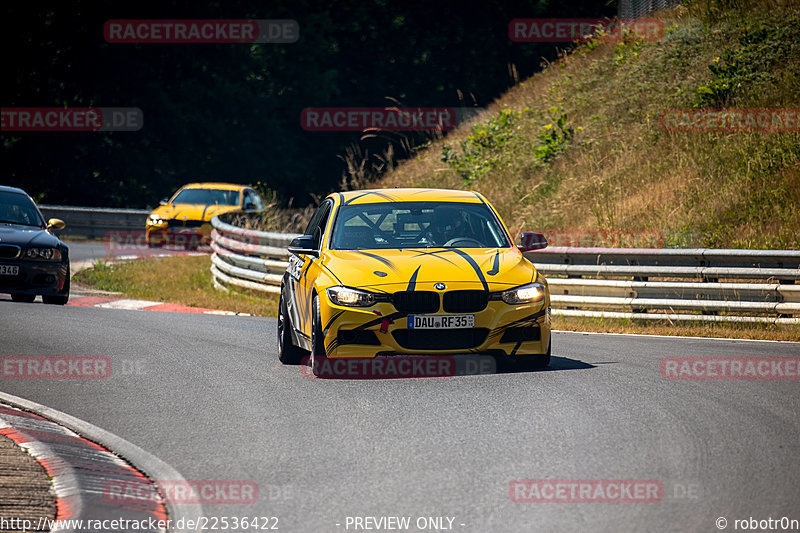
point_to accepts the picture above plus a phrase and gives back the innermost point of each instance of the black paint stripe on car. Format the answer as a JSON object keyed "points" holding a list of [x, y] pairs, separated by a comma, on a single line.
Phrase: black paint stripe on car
{"points": [[474, 266], [516, 347], [332, 346], [379, 194], [379, 258], [496, 265], [412, 283], [379, 320], [330, 323], [436, 254], [527, 320]]}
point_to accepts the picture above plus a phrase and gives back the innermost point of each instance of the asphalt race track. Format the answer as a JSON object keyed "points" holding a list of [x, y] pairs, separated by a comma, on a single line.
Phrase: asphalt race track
{"points": [[207, 395], [83, 251]]}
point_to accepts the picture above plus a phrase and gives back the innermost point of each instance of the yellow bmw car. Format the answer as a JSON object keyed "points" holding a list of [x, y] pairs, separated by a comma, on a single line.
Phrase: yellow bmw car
{"points": [[185, 219], [412, 272]]}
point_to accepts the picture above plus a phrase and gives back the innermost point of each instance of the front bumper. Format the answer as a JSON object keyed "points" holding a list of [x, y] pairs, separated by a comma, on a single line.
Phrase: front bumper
{"points": [[500, 329], [186, 237], [35, 277]]}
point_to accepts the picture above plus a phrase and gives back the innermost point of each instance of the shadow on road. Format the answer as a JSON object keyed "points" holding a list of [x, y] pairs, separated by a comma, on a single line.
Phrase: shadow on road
{"points": [[556, 364], [412, 367]]}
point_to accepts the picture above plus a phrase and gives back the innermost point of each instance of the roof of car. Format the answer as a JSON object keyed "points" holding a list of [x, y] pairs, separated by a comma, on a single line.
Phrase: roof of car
{"points": [[6, 188], [370, 196], [215, 185]]}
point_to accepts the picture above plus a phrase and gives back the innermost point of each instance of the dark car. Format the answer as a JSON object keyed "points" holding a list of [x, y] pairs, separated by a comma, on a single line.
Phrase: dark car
{"points": [[32, 260]]}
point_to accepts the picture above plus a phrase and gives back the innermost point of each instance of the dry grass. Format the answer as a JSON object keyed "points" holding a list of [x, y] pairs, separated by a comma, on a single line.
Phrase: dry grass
{"points": [[179, 280], [653, 327], [621, 170]]}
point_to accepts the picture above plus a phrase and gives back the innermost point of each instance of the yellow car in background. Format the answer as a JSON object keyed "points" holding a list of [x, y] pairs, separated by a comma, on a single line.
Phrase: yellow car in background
{"points": [[412, 272], [185, 219]]}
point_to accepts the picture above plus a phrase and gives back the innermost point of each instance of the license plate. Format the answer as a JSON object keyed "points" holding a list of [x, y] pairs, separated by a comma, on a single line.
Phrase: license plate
{"points": [[9, 270], [441, 321]]}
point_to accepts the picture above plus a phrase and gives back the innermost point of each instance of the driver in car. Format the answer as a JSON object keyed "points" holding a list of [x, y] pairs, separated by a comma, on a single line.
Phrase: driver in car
{"points": [[447, 225]]}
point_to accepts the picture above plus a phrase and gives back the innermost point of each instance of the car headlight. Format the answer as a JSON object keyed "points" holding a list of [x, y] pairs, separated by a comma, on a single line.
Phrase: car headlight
{"points": [[155, 220], [354, 297], [43, 254], [524, 294]]}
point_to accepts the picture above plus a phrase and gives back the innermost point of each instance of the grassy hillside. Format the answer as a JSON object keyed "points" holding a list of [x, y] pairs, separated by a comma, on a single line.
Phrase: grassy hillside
{"points": [[580, 146]]}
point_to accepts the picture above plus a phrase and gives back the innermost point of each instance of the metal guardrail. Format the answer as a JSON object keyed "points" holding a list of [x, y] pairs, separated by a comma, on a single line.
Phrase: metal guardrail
{"points": [[95, 222], [248, 259], [765, 286], [687, 286]]}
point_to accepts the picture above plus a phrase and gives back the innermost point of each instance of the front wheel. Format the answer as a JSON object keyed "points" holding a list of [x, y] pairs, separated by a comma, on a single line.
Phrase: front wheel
{"points": [[58, 299], [288, 353], [317, 340], [55, 300], [535, 362]]}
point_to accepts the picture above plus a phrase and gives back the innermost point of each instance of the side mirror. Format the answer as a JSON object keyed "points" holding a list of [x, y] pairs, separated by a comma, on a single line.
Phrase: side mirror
{"points": [[530, 240], [303, 245], [55, 224], [164, 201]]}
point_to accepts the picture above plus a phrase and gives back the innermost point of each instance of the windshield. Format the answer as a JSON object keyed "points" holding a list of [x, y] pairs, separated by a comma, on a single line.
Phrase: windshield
{"points": [[417, 225], [207, 197], [16, 208]]}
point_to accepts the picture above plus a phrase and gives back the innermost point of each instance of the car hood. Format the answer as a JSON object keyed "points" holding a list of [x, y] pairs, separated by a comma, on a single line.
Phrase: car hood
{"points": [[191, 211], [493, 268], [27, 236]]}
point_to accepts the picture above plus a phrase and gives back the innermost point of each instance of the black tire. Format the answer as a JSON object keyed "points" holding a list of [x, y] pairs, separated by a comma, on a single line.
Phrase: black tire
{"points": [[288, 353], [535, 362], [55, 299], [25, 298], [317, 340], [58, 299]]}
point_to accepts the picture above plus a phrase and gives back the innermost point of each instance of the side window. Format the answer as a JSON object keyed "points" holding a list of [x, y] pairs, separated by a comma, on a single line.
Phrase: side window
{"points": [[314, 222], [317, 224], [318, 231]]}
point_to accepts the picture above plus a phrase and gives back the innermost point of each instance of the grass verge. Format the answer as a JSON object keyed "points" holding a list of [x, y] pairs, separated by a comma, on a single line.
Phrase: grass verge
{"points": [[187, 281], [772, 332], [178, 280]]}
